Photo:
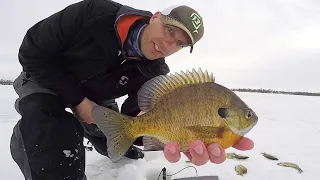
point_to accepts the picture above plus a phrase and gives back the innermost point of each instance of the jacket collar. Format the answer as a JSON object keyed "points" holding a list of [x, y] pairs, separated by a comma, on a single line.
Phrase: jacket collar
{"points": [[129, 11], [162, 67]]}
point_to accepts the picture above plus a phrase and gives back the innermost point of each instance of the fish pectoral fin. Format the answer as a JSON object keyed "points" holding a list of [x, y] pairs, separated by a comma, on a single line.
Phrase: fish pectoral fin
{"points": [[207, 131], [152, 90]]}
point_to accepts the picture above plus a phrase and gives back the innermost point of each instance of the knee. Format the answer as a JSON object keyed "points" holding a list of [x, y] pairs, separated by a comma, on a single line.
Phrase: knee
{"points": [[39, 102]]}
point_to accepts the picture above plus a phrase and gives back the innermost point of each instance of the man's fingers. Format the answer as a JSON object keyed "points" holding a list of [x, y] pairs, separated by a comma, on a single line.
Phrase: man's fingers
{"points": [[198, 152], [172, 152], [216, 153], [244, 144]]}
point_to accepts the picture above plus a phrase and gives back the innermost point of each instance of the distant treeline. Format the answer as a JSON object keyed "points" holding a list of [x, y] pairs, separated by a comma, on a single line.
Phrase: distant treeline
{"points": [[270, 91], [5, 82]]}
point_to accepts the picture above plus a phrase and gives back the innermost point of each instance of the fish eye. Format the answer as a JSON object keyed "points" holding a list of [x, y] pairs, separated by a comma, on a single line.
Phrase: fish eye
{"points": [[248, 114]]}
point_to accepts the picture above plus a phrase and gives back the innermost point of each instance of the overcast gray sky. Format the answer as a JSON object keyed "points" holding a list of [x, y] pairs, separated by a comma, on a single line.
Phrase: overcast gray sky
{"points": [[248, 43]]}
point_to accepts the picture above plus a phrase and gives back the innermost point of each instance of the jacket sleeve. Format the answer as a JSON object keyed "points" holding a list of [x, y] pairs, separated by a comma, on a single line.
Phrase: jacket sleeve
{"points": [[43, 45]]}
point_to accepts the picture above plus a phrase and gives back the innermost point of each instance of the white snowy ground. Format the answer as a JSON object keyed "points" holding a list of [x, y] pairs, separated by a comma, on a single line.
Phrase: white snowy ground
{"points": [[289, 127]]}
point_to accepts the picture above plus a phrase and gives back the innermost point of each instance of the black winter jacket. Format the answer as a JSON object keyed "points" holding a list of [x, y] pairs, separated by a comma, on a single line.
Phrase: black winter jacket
{"points": [[77, 53]]}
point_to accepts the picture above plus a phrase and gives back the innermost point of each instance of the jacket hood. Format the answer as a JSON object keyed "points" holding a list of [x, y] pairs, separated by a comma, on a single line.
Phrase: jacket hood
{"points": [[126, 10], [125, 17]]}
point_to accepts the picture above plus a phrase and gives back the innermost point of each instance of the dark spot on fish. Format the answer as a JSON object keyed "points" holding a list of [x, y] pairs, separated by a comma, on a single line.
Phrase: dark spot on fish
{"points": [[223, 112]]}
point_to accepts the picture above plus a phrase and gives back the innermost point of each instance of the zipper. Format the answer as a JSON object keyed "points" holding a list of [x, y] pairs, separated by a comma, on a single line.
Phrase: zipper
{"points": [[90, 77], [122, 52]]}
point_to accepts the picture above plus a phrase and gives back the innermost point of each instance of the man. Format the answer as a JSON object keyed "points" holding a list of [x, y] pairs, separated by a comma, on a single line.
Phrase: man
{"points": [[90, 53]]}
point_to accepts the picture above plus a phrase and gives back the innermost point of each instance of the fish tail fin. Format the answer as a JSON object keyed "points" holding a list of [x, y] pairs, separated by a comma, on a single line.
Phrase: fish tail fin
{"points": [[114, 126]]}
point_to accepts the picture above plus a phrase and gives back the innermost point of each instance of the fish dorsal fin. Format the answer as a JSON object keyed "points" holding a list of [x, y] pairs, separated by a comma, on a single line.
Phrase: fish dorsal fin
{"points": [[152, 90]]}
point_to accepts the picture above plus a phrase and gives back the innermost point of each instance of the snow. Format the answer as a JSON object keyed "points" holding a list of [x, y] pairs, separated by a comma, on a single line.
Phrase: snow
{"points": [[67, 153], [288, 127]]}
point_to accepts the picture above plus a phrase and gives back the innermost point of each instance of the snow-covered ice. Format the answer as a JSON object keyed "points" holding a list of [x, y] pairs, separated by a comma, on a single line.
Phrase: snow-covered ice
{"points": [[288, 127]]}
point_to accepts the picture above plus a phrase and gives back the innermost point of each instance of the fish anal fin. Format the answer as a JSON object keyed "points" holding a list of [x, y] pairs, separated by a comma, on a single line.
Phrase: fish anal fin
{"points": [[152, 143]]}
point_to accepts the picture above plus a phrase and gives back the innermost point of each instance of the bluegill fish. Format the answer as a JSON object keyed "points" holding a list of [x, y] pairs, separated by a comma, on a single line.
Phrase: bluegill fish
{"points": [[182, 107]]}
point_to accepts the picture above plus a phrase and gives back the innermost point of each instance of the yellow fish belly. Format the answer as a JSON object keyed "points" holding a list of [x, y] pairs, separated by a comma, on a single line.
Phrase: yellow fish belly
{"points": [[183, 135]]}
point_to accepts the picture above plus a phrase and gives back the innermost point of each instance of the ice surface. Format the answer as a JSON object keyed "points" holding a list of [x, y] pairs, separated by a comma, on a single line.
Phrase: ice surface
{"points": [[288, 127]]}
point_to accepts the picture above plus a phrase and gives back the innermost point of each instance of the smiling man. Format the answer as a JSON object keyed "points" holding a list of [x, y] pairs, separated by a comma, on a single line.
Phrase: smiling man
{"points": [[169, 31], [90, 53]]}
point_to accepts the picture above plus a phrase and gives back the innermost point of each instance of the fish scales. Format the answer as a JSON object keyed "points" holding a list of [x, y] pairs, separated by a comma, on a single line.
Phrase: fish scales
{"points": [[178, 111]]}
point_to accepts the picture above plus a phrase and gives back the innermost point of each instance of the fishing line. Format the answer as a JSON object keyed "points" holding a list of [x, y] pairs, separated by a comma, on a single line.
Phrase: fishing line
{"points": [[164, 173]]}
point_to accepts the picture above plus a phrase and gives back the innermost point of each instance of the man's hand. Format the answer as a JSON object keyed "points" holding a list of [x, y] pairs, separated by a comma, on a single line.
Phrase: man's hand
{"points": [[200, 155], [83, 111]]}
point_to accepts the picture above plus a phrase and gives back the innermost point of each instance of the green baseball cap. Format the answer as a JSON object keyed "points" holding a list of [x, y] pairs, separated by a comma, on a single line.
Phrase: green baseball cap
{"points": [[187, 19]]}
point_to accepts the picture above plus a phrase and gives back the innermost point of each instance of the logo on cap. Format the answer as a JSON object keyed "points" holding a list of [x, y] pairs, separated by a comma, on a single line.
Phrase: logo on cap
{"points": [[196, 22]]}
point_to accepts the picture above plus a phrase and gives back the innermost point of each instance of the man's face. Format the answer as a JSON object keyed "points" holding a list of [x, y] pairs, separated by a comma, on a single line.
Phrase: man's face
{"points": [[160, 40]]}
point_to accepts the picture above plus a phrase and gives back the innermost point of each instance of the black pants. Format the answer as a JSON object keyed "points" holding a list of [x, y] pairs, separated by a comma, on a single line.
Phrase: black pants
{"points": [[47, 142]]}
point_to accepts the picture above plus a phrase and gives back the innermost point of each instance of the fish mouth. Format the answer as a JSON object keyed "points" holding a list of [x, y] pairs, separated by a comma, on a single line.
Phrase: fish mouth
{"points": [[235, 128], [241, 132]]}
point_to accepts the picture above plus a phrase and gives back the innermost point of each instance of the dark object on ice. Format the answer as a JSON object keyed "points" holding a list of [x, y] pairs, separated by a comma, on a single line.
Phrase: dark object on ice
{"points": [[134, 153], [269, 156]]}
